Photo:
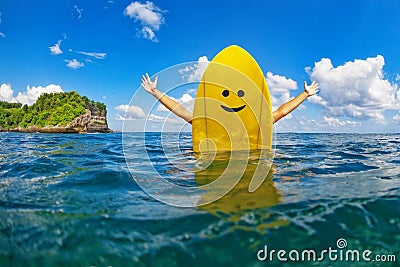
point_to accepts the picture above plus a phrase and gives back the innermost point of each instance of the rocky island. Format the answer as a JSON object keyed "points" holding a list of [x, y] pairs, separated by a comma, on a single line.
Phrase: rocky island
{"points": [[65, 112]]}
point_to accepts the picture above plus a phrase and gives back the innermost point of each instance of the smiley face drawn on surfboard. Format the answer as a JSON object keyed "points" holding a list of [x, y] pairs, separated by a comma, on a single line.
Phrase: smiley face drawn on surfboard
{"points": [[232, 108], [226, 93]]}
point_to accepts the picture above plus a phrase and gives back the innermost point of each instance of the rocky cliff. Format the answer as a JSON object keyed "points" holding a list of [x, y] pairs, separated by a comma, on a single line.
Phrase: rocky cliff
{"points": [[97, 120]]}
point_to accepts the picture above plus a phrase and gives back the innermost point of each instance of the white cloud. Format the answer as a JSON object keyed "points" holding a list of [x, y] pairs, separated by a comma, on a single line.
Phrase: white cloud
{"points": [[356, 89], [193, 73], [29, 96], [280, 87], [156, 118], [325, 124], [150, 17], [74, 64], [334, 122], [192, 91], [55, 49], [148, 14], [1, 34], [7, 93], [92, 54], [108, 3], [165, 120], [131, 112], [32, 93], [186, 100], [77, 12], [396, 117], [147, 33]]}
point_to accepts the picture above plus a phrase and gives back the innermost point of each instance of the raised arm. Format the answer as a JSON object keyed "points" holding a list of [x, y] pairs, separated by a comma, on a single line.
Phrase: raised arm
{"points": [[289, 106], [172, 105]]}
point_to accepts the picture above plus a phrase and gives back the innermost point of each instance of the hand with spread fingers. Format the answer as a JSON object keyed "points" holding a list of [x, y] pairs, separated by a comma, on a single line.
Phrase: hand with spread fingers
{"points": [[148, 85], [311, 89], [169, 103]]}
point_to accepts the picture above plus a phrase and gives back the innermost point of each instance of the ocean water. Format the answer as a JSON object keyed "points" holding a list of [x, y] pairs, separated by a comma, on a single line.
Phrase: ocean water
{"points": [[70, 200]]}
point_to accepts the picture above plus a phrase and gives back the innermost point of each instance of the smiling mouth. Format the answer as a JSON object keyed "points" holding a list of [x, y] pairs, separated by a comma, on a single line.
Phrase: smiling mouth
{"points": [[233, 109]]}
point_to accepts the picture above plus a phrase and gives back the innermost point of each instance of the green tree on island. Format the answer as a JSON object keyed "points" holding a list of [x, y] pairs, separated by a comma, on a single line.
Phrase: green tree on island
{"points": [[54, 109]]}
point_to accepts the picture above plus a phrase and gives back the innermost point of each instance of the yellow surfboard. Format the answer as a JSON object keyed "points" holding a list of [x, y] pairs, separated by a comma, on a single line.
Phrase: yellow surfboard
{"points": [[232, 109]]}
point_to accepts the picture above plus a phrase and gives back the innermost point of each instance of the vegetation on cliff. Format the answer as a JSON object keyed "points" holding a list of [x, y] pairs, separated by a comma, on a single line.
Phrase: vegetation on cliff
{"points": [[55, 109]]}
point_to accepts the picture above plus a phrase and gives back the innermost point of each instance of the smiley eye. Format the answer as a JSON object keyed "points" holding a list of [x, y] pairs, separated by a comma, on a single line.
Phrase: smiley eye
{"points": [[240, 93], [225, 93]]}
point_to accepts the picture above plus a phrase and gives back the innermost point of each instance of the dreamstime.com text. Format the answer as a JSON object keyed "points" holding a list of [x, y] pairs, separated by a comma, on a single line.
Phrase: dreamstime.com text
{"points": [[340, 253]]}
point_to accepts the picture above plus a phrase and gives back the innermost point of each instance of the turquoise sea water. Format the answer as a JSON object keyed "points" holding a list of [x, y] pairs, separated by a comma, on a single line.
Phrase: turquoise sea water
{"points": [[70, 200]]}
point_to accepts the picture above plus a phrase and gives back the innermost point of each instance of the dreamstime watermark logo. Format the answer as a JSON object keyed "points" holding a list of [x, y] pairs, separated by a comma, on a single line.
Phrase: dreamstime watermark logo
{"points": [[156, 145], [340, 253]]}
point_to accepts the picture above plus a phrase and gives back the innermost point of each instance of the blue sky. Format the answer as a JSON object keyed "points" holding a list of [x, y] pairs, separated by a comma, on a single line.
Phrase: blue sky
{"points": [[101, 48]]}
